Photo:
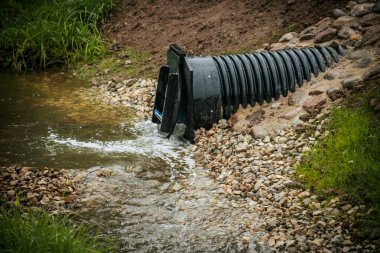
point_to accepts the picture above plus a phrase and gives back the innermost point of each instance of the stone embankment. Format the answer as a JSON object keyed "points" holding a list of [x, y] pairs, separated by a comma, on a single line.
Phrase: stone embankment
{"points": [[253, 155]]}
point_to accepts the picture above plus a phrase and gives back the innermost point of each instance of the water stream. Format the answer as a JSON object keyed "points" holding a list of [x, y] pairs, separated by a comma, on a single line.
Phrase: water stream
{"points": [[144, 189]]}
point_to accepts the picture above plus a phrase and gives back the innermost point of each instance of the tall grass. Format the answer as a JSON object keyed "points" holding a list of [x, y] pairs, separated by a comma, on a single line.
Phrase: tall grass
{"points": [[38, 231], [40, 33]]}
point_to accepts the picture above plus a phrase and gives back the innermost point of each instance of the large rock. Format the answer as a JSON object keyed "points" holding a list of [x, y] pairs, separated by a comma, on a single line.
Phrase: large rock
{"points": [[314, 104], [362, 63], [372, 73], [338, 13], [334, 93], [358, 54], [259, 132], [310, 29], [371, 36], [288, 37], [307, 36], [323, 25], [351, 82], [344, 20], [362, 9], [325, 35], [350, 4], [370, 19], [331, 74]]}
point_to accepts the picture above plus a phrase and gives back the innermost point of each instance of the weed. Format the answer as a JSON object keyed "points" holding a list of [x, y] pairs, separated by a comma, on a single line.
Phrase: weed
{"points": [[37, 34], [37, 231]]}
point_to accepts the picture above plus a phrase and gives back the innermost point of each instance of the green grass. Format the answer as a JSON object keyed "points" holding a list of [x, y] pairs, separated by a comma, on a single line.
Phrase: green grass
{"points": [[114, 64], [37, 231], [347, 162], [37, 34]]}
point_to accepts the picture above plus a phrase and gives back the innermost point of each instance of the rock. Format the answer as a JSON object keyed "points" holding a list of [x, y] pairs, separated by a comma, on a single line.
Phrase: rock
{"points": [[304, 117], [362, 53], [291, 114], [371, 36], [362, 63], [288, 37], [338, 13], [344, 20], [258, 185], [45, 199], [315, 92], [372, 73], [259, 132], [310, 29], [314, 104], [331, 74], [334, 93], [349, 83], [275, 105], [346, 33], [271, 242], [370, 19], [325, 35], [242, 125], [304, 194], [323, 25], [307, 36], [291, 100], [350, 4], [361, 9], [291, 2]]}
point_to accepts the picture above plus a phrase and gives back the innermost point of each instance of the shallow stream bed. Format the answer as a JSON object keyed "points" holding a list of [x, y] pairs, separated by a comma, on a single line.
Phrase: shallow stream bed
{"points": [[143, 189]]}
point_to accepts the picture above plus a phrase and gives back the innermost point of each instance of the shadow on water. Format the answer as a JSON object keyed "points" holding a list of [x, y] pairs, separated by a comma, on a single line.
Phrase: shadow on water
{"points": [[144, 189]]}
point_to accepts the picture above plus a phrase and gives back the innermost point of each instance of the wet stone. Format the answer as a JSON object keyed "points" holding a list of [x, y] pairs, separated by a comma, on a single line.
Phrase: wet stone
{"points": [[362, 63]]}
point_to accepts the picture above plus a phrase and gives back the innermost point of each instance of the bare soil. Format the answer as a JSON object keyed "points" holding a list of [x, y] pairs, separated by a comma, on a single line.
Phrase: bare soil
{"points": [[209, 26]]}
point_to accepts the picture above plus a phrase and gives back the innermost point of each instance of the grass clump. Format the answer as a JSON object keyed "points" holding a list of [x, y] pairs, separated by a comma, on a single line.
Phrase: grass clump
{"points": [[347, 161], [37, 231], [37, 34]]}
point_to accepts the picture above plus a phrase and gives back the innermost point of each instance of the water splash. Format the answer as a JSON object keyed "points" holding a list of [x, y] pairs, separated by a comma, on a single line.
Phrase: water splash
{"points": [[147, 142]]}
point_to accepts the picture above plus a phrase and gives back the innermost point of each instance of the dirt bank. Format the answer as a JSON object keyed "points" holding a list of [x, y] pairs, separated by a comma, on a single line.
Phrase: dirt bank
{"points": [[205, 27]]}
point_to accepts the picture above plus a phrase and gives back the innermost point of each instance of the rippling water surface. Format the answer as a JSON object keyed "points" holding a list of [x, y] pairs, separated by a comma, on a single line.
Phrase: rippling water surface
{"points": [[150, 195]]}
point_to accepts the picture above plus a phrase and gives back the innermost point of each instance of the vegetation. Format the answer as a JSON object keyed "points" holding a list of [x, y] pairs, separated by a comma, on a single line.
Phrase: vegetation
{"points": [[40, 33], [347, 162], [128, 62], [38, 231]]}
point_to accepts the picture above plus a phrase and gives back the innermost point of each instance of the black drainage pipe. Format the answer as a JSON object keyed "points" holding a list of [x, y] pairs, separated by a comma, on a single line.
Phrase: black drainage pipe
{"points": [[199, 91]]}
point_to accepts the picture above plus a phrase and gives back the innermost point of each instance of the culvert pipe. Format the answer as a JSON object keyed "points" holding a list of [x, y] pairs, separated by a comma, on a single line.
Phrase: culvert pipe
{"points": [[199, 91]]}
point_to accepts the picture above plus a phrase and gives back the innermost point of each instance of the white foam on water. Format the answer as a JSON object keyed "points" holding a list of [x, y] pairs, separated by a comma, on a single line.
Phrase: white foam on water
{"points": [[147, 142]]}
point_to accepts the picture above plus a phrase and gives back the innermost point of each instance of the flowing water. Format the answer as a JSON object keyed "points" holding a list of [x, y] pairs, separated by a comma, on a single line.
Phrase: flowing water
{"points": [[144, 189]]}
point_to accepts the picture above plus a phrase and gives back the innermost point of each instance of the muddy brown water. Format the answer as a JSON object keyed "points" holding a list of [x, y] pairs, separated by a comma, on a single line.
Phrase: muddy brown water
{"points": [[151, 195]]}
